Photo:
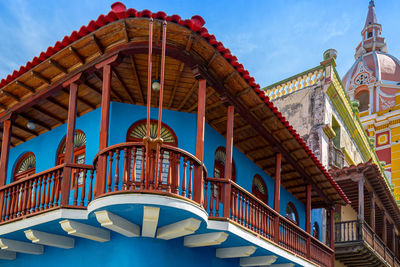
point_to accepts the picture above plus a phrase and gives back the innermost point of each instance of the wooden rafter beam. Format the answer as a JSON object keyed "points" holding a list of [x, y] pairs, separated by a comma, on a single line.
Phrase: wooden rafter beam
{"points": [[80, 99], [48, 114], [15, 136], [10, 95], [58, 66], [136, 75], [123, 85], [211, 61], [221, 119], [29, 118], [180, 70], [125, 31], [243, 92], [209, 94], [230, 76], [40, 77], [253, 151], [26, 87], [76, 55], [57, 103], [212, 106], [246, 139], [188, 95], [98, 45], [92, 88]]}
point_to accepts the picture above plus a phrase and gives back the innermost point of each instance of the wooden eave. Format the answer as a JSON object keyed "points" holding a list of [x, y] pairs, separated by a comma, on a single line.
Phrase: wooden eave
{"points": [[37, 95]]}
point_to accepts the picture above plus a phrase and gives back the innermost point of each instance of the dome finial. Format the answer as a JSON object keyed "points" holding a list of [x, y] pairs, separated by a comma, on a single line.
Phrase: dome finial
{"points": [[371, 17]]}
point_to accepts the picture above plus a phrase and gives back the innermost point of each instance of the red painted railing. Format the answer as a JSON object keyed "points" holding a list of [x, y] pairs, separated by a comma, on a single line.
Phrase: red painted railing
{"points": [[247, 210], [173, 171], [41, 191]]}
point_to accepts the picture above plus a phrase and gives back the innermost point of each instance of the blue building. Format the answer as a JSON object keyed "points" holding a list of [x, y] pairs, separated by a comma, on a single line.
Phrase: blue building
{"points": [[139, 140]]}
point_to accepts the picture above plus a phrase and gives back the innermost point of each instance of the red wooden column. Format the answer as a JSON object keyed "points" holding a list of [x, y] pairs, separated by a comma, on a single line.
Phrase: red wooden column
{"points": [[308, 218], [277, 194], [5, 149], [104, 123], [69, 139], [384, 229], [201, 119], [228, 159], [361, 199], [393, 240]]}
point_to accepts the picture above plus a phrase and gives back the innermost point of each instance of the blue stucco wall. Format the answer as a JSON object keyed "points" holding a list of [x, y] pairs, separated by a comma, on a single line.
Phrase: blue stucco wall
{"points": [[123, 251], [184, 125]]}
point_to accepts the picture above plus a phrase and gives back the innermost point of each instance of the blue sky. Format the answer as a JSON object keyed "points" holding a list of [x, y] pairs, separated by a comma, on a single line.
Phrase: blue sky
{"points": [[272, 39]]}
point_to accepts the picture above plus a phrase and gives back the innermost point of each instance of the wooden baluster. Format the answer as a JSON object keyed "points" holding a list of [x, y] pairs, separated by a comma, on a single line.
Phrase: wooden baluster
{"points": [[143, 169], [83, 191], [109, 175], [205, 195], [170, 171], [2, 203], [91, 186], [12, 202], [25, 197], [15, 201], [184, 177], [44, 183], [8, 207], [133, 182], [53, 188], [20, 198], [247, 212], [176, 174], [35, 192], [39, 194], [58, 185], [233, 205], [161, 169], [126, 168], [50, 176], [212, 196], [239, 197], [152, 176], [116, 176], [190, 179], [75, 175], [218, 197]]}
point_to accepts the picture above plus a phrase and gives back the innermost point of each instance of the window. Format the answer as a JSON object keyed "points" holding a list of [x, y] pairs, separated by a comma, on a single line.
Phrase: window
{"points": [[219, 164], [369, 34], [363, 98], [136, 133], [315, 230], [259, 188], [336, 129], [79, 153], [291, 213], [25, 166]]}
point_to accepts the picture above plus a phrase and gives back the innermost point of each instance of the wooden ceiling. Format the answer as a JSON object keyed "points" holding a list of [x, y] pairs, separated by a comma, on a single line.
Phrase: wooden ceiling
{"points": [[259, 132]]}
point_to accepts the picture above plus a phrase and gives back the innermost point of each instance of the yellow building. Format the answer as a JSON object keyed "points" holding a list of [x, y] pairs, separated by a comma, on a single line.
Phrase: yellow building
{"points": [[374, 80]]}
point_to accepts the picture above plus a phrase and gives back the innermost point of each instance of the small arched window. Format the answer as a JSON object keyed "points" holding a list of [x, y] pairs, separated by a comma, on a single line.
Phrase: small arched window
{"points": [[291, 213], [315, 230], [26, 165], [137, 132], [219, 164], [363, 98], [369, 34], [259, 188], [79, 148]]}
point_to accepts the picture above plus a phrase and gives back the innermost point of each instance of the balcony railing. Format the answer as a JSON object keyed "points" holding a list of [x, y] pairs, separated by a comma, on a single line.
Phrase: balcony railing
{"points": [[226, 199], [360, 231], [41, 192], [336, 157], [172, 171]]}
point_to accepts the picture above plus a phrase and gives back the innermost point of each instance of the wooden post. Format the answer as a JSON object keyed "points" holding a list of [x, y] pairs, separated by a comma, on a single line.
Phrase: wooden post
{"points": [[308, 219], [277, 192], [384, 229], [228, 159], [393, 240], [5, 149], [201, 118], [361, 200], [332, 233], [104, 128], [69, 144], [372, 197]]}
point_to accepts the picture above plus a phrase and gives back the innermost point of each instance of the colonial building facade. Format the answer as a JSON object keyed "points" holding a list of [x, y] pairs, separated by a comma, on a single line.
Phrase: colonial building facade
{"points": [[139, 140], [374, 80]]}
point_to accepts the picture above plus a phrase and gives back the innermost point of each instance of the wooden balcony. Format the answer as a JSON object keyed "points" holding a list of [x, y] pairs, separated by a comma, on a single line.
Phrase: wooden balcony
{"points": [[336, 157], [356, 244], [169, 171], [225, 199]]}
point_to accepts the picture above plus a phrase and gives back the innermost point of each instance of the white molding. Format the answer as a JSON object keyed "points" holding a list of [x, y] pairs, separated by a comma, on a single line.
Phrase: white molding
{"points": [[235, 252], [54, 215], [147, 199], [258, 260], [117, 224], [85, 231], [178, 229], [47, 239], [257, 241], [22, 247], [7, 255], [150, 221], [203, 240], [280, 265]]}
